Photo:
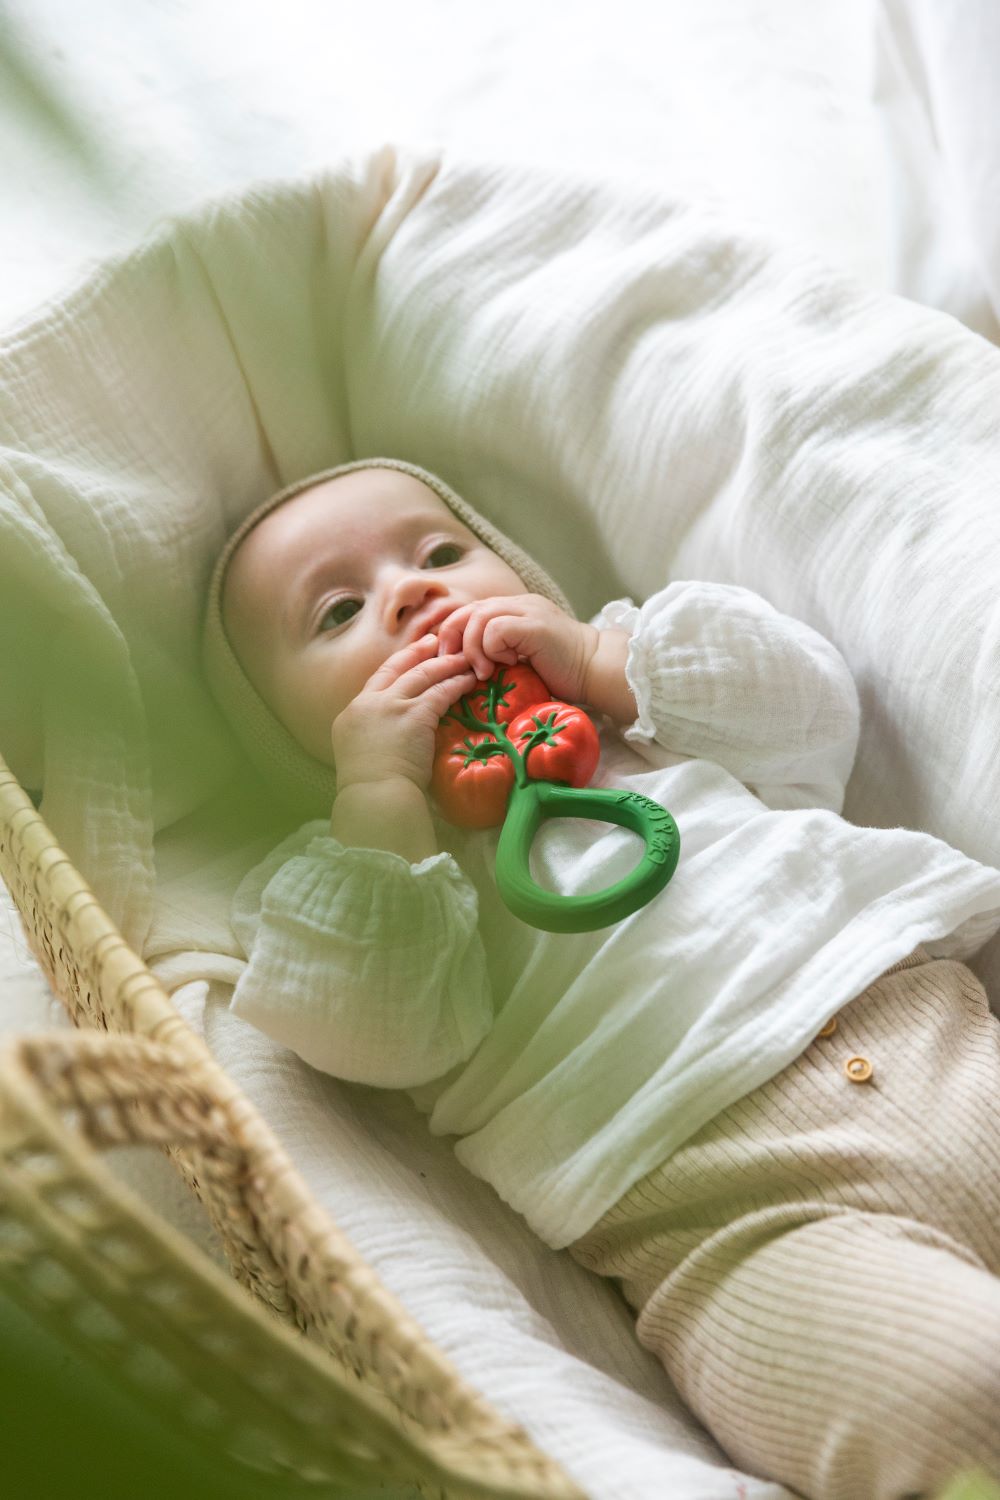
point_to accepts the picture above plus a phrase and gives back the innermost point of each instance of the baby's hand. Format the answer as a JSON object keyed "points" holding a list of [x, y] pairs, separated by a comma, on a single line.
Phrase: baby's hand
{"points": [[526, 627], [388, 729]]}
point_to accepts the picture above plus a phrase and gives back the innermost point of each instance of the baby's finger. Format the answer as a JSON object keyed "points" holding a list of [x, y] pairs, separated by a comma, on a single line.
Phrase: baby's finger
{"points": [[451, 629], [469, 639], [422, 675], [485, 661], [446, 693], [503, 632], [458, 686], [399, 661], [472, 647]]}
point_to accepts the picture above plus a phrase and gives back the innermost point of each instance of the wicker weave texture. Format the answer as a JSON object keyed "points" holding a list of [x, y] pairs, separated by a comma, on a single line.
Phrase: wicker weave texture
{"points": [[309, 1368]]}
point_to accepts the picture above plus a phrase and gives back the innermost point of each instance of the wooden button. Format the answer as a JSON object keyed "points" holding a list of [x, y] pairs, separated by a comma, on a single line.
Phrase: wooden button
{"points": [[828, 1029], [858, 1069]]}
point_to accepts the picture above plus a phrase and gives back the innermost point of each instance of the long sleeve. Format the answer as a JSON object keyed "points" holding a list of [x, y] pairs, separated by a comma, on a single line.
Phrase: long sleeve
{"points": [[367, 966], [719, 673]]}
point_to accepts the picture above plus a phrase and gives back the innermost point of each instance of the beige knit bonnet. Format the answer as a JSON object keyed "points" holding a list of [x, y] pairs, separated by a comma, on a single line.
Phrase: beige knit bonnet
{"points": [[303, 783]]}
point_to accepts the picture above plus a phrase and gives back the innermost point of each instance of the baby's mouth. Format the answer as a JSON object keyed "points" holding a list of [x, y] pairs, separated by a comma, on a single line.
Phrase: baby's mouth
{"points": [[435, 620]]}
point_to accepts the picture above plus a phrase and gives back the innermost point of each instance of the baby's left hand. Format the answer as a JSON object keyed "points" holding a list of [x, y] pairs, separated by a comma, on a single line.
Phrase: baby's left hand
{"points": [[525, 627]]}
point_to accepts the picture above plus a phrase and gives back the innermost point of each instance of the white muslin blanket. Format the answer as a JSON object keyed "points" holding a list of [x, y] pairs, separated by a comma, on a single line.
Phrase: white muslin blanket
{"points": [[635, 388]]}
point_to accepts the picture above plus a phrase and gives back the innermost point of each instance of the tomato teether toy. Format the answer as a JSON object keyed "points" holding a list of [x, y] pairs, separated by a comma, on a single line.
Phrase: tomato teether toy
{"points": [[510, 753]]}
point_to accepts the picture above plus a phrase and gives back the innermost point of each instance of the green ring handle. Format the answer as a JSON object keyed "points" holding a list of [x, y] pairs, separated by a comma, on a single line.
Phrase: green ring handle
{"points": [[531, 804]]}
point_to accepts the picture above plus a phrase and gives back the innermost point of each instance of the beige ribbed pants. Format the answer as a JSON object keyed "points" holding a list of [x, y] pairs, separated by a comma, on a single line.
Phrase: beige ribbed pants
{"points": [[818, 1268]]}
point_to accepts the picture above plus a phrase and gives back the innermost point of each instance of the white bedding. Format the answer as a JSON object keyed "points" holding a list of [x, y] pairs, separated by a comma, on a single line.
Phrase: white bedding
{"points": [[935, 81], [766, 103], [770, 110]]}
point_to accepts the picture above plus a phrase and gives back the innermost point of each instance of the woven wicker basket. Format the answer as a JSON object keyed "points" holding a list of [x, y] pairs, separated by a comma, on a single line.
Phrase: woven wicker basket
{"points": [[310, 1369]]}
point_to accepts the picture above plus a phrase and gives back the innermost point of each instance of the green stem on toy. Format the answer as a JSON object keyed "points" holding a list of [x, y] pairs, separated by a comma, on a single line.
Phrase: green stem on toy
{"points": [[464, 715], [532, 801]]}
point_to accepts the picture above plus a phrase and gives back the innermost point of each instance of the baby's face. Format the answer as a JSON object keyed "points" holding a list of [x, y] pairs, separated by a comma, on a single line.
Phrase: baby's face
{"points": [[334, 581]]}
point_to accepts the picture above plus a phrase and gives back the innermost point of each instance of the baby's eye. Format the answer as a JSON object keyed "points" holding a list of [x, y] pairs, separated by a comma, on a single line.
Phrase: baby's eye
{"points": [[332, 611], [445, 547]]}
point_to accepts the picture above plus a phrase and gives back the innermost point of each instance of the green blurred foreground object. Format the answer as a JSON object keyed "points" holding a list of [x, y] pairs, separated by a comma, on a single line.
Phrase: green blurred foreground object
{"points": [[524, 758], [69, 1433], [973, 1484]]}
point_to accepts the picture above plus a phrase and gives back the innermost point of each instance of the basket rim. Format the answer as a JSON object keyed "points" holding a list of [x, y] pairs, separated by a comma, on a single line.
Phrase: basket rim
{"points": [[79, 941]]}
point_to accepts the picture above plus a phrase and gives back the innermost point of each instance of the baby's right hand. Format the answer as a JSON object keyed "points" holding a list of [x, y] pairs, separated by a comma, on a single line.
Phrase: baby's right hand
{"points": [[389, 728]]}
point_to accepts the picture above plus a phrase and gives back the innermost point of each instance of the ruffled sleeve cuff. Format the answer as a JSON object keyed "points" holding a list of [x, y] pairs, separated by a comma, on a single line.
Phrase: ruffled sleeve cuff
{"points": [[719, 673], [622, 614], [368, 967]]}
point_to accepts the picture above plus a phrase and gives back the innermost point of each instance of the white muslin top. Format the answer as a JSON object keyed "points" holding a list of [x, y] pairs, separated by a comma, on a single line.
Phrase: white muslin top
{"points": [[569, 1064]]}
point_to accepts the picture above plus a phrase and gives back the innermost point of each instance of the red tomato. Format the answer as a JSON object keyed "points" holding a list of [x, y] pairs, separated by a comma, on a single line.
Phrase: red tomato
{"points": [[567, 746], [470, 792], [520, 687]]}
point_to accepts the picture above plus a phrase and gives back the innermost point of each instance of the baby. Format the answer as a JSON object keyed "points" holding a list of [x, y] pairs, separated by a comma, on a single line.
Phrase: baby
{"points": [[360, 666], [767, 1103]]}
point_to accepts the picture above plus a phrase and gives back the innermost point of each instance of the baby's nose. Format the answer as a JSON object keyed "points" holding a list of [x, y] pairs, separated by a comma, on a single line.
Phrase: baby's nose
{"points": [[413, 596]]}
